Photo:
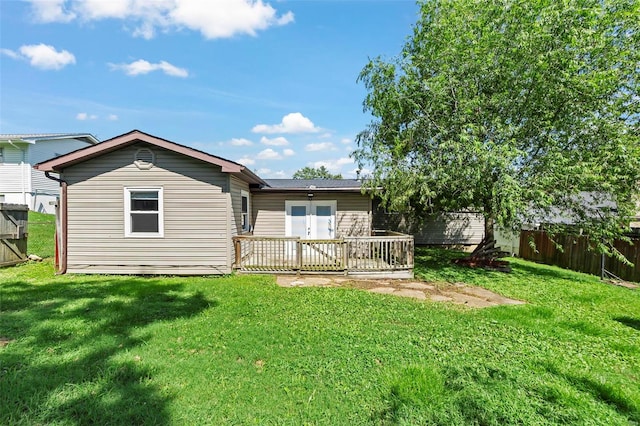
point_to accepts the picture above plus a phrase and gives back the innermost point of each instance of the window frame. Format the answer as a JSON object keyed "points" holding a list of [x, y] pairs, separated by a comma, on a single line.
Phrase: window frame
{"points": [[128, 233], [245, 225]]}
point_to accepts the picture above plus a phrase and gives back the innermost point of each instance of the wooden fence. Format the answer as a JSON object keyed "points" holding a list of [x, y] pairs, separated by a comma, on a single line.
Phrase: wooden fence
{"points": [[382, 254], [13, 233], [577, 256]]}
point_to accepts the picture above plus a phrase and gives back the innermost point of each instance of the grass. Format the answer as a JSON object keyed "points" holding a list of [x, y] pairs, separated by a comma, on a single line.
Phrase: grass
{"points": [[41, 238], [241, 350]]}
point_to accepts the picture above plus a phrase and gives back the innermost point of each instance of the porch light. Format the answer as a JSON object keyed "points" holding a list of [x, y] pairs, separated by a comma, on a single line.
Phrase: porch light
{"points": [[310, 196]]}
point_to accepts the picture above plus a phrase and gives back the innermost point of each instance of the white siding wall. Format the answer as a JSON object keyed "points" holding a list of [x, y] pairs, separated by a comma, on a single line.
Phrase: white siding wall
{"points": [[45, 150], [17, 177], [353, 213], [14, 172], [196, 216]]}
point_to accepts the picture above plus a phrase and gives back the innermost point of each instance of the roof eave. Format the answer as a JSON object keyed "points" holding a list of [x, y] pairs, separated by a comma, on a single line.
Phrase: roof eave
{"points": [[270, 189], [58, 164]]}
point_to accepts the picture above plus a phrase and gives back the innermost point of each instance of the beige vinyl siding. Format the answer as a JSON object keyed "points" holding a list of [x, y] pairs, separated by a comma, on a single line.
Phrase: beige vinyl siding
{"points": [[196, 229], [463, 228], [236, 186], [353, 213]]}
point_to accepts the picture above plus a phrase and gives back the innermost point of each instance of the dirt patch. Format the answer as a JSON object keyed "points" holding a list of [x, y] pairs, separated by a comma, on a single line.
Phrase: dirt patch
{"points": [[4, 341], [625, 284], [458, 293]]}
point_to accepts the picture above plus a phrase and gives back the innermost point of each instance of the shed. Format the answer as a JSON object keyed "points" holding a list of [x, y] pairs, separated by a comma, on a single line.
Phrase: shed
{"points": [[139, 204]]}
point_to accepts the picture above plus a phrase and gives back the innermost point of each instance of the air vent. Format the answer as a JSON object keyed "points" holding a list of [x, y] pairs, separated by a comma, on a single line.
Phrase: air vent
{"points": [[144, 158]]}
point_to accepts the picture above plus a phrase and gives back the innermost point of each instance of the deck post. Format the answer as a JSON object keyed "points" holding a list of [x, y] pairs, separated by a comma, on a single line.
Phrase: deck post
{"points": [[298, 255], [345, 256], [238, 251]]}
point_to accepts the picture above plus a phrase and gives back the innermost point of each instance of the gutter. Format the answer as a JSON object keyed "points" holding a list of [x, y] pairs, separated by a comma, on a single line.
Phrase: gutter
{"points": [[62, 249]]}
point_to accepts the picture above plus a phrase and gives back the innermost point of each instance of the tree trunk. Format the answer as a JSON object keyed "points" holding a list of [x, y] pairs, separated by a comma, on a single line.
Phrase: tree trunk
{"points": [[486, 255]]}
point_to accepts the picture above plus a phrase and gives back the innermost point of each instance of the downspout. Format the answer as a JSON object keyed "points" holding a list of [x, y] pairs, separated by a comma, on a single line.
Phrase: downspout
{"points": [[63, 222]]}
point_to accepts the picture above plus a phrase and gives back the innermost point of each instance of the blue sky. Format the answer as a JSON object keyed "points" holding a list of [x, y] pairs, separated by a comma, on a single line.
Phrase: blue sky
{"points": [[270, 84]]}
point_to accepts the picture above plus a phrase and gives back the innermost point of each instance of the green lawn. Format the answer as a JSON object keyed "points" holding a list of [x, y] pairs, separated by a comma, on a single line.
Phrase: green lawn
{"points": [[240, 350], [40, 240]]}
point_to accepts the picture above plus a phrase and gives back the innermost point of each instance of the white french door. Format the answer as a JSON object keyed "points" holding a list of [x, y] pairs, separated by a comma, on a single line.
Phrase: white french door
{"points": [[311, 219]]}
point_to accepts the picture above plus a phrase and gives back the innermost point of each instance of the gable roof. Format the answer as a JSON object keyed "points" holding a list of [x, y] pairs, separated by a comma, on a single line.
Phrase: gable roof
{"points": [[32, 138], [279, 185], [75, 157]]}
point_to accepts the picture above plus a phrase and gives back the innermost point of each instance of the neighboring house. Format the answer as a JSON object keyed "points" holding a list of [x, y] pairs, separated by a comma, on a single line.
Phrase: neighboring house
{"points": [[463, 230], [19, 182], [139, 204]]}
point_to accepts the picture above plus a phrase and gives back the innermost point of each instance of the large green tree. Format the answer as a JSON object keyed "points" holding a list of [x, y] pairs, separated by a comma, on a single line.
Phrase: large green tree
{"points": [[315, 173], [520, 109]]}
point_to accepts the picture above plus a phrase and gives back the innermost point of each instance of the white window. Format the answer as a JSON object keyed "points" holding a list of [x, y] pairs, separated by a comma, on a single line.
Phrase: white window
{"points": [[143, 212], [246, 216]]}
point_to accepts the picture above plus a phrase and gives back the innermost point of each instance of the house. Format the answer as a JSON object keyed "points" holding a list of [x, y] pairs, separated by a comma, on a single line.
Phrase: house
{"points": [[140, 204], [19, 182], [461, 230], [317, 209]]}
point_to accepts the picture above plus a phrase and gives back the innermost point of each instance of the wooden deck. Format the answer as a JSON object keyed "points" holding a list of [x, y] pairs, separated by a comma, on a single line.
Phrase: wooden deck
{"points": [[389, 254]]}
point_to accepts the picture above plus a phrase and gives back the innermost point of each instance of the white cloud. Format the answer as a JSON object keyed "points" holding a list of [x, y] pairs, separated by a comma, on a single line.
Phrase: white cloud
{"points": [[145, 67], [10, 53], [344, 160], [291, 123], [213, 19], [334, 165], [51, 11], [327, 164], [227, 18], [268, 154], [246, 161], [112, 117], [345, 141], [42, 56], [320, 146], [279, 141], [268, 173], [82, 116], [241, 142], [357, 173], [288, 152]]}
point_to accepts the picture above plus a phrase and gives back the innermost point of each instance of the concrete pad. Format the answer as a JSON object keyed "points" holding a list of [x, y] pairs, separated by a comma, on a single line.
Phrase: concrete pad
{"points": [[440, 298], [417, 286], [382, 290], [405, 292], [468, 300], [488, 295], [317, 281], [459, 293]]}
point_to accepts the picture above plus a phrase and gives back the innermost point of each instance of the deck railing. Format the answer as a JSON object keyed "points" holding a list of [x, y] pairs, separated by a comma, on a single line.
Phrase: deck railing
{"points": [[384, 252]]}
